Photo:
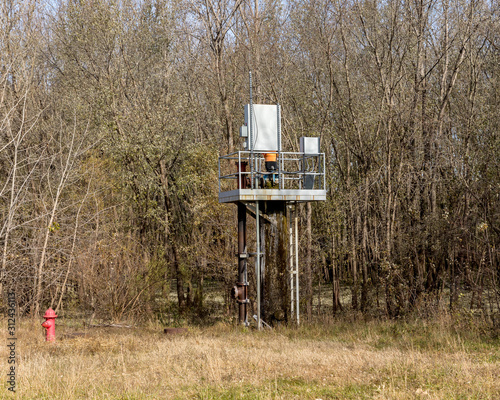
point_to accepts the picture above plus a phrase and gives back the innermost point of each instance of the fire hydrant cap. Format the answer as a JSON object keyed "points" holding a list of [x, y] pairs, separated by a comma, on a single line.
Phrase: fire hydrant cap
{"points": [[50, 313]]}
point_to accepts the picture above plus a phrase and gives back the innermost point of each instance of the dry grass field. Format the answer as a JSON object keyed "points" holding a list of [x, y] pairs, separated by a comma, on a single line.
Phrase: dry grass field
{"points": [[343, 360]]}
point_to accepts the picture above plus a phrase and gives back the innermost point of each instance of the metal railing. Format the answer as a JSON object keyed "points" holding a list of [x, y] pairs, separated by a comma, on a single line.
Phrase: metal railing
{"points": [[296, 171]]}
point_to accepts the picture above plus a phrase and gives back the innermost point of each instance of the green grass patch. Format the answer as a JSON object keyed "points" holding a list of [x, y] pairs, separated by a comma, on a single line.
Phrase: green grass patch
{"points": [[282, 388]]}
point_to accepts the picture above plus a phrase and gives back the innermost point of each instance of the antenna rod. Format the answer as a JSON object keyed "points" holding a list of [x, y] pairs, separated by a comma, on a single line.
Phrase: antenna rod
{"points": [[250, 142], [280, 157], [257, 260]]}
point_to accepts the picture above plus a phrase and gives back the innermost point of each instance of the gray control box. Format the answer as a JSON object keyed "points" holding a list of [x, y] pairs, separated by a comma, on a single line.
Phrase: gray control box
{"points": [[309, 145]]}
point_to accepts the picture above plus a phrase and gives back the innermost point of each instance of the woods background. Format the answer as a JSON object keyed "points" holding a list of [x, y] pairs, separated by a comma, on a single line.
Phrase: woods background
{"points": [[113, 114]]}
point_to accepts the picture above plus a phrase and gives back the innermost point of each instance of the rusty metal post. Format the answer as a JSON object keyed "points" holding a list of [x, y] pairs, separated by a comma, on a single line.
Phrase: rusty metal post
{"points": [[242, 297]]}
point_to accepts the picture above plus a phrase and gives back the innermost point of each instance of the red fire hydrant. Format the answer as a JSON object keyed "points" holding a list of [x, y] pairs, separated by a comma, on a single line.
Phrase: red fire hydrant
{"points": [[50, 324]]}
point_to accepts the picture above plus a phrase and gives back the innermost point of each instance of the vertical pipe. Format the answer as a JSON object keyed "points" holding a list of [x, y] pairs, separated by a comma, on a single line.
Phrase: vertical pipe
{"points": [[278, 112], [242, 264], [290, 229], [279, 126], [250, 123], [257, 261], [240, 182], [297, 266]]}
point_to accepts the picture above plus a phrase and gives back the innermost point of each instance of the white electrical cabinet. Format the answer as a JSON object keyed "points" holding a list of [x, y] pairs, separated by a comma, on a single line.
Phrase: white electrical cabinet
{"points": [[265, 127], [309, 145]]}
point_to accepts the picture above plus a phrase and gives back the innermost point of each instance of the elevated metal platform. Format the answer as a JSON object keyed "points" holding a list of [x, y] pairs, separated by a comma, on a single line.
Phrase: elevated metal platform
{"points": [[299, 177], [252, 195]]}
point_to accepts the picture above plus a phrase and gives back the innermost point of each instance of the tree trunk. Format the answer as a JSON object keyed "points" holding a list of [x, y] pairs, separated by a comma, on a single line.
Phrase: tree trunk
{"points": [[181, 300], [275, 286]]}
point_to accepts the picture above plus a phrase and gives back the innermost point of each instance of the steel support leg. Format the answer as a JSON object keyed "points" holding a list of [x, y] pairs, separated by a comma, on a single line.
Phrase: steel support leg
{"points": [[242, 285]]}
